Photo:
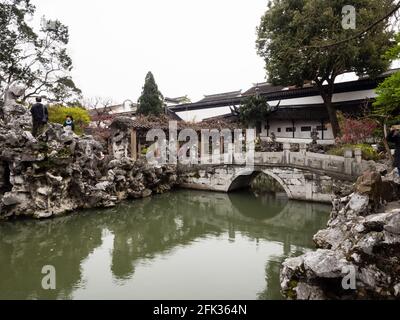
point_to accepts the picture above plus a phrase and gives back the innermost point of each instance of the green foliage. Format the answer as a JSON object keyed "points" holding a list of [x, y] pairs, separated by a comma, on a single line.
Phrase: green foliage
{"points": [[151, 102], [39, 59], [144, 151], [394, 52], [386, 107], [368, 152], [293, 35], [58, 114], [387, 104], [254, 109]]}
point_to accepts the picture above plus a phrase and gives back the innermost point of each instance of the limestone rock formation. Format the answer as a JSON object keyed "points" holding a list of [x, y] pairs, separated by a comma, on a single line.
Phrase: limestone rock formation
{"points": [[356, 239], [60, 172], [13, 113]]}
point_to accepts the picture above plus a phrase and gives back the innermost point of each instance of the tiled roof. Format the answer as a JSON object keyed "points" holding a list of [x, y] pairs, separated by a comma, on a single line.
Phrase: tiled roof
{"points": [[263, 88], [178, 99], [220, 96], [143, 123]]}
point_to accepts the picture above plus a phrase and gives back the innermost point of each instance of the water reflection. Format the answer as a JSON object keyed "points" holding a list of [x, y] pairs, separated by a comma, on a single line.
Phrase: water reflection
{"points": [[185, 237]]}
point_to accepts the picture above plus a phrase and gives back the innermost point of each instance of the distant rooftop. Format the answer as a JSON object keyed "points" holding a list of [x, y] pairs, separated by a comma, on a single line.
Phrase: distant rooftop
{"points": [[178, 100], [264, 87], [221, 96], [113, 108]]}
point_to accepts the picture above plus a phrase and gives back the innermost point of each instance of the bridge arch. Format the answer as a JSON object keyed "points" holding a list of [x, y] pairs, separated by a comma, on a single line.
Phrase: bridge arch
{"points": [[244, 178], [298, 183]]}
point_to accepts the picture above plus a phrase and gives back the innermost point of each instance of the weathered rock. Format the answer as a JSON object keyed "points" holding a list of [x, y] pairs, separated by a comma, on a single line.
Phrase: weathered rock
{"points": [[324, 264], [146, 193], [395, 176], [10, 199], [370, 184], [290, 267], [103, 186], [397, 290], [367, 246], [381, 168], [44, 191], [373, 278], [15, 115], [329, 238], [61, 172], [393, 223], [305, 291], [368, 242], [114, 164], [358, 203]]}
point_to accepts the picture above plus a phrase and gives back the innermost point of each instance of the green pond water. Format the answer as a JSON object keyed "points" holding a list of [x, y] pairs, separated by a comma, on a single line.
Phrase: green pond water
{"points": [[180, 245]]}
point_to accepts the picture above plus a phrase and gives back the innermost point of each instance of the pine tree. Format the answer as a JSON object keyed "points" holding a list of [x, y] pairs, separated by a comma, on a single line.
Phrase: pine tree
{"points": [[151, 102]]}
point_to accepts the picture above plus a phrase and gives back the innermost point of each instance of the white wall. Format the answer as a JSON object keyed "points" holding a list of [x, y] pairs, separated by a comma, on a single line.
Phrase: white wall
{"points": [[337, 97], [199, 115], [275, 124]]}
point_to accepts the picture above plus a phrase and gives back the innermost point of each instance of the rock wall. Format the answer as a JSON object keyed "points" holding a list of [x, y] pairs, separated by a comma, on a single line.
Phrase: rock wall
{"points": [[358, 245], [59, 172]]}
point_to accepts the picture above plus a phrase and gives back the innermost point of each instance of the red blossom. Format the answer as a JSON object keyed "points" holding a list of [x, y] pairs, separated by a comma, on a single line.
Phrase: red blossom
{"points": [[356, 131]]}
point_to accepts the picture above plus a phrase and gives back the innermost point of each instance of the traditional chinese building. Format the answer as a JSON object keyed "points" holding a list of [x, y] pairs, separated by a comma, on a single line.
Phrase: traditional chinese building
{"points": [[301, 110]]}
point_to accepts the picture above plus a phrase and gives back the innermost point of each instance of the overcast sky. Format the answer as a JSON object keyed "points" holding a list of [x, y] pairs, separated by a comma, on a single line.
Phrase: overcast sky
{"points": [[193, 47]]}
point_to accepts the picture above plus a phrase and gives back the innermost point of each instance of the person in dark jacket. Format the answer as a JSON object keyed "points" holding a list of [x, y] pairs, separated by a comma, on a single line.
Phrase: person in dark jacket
{"points": [[69, 122], [394, 137], [40, 116]]}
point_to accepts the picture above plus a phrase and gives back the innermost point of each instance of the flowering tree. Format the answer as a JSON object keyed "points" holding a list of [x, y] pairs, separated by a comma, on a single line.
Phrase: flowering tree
{"points": [[355, 131]]}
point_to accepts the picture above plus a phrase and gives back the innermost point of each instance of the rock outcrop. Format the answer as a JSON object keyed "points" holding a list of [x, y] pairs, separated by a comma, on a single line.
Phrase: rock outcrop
{"points": [[358, 255], [59, 172]]}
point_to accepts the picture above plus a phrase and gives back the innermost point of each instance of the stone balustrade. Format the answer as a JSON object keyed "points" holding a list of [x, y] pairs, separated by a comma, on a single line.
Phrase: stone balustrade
{"points": [[350, 164]]}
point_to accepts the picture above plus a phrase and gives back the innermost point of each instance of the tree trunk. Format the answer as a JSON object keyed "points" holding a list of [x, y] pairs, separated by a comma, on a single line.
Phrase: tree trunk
{"points": [[327, 95], [332, 116]]}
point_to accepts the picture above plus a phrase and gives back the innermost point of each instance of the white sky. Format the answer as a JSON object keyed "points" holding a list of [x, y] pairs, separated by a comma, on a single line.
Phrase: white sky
{"points": [[193, 47]]}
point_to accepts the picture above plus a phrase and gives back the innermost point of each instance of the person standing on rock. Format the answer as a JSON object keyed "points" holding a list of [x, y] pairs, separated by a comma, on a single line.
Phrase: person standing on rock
{"points": [[69, 123], [40, 116], [394, 137]]}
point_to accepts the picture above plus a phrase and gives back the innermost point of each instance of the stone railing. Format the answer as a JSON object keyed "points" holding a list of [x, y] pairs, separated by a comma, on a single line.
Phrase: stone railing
{"points": [[347, 164], [350, 164]]}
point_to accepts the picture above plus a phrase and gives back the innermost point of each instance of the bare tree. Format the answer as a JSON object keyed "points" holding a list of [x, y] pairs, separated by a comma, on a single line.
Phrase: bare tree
{"points": [[100, 108]]}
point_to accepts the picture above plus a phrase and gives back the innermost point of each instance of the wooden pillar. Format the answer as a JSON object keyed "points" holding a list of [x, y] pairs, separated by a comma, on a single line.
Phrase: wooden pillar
{"points": [[294, 129], [139, 148], [134, 145]]}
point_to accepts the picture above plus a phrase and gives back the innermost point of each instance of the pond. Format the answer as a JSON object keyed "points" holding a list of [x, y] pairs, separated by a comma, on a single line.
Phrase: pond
{"points": [[180, 245]]}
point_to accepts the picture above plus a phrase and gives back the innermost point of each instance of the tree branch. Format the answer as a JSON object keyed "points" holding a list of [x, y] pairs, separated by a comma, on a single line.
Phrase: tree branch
{"points": [[360, 34]]}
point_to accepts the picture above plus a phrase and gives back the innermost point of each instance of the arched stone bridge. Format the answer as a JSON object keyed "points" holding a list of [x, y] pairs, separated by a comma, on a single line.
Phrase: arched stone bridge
{"points": [[303, 175]]}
